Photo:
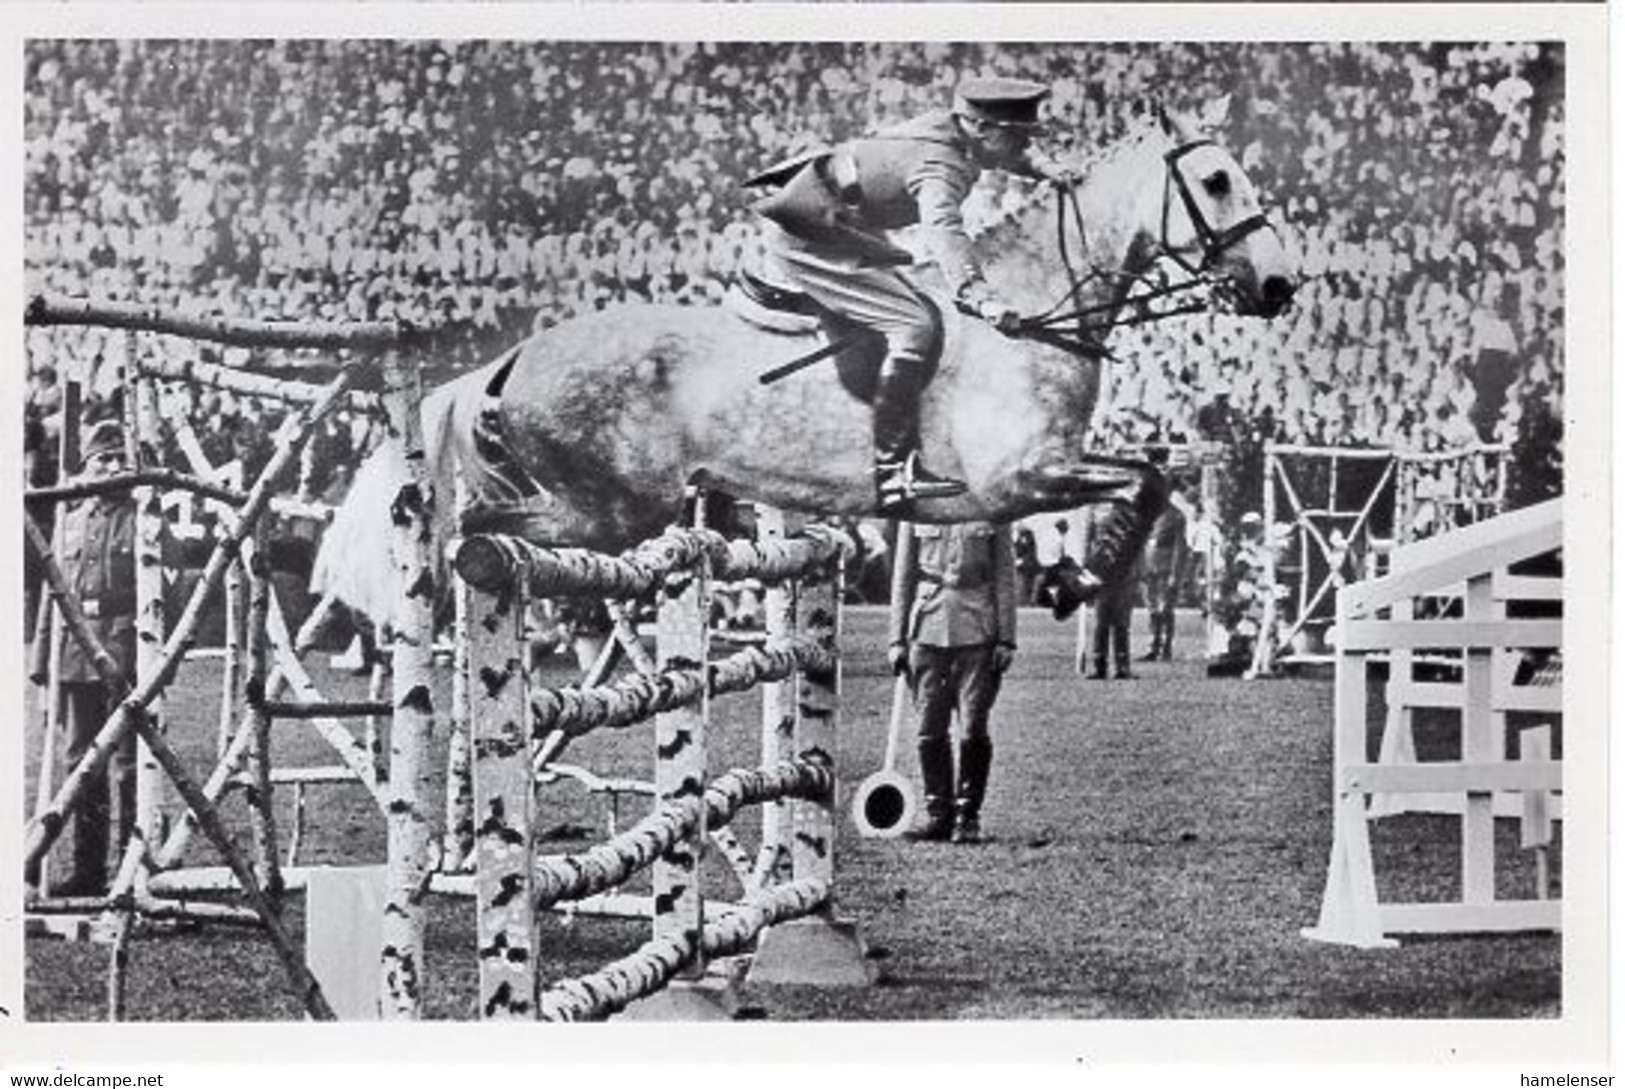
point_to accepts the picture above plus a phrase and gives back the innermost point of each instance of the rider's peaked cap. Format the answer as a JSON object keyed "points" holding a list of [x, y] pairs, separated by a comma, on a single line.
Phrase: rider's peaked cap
{"points": [[999, 100]]}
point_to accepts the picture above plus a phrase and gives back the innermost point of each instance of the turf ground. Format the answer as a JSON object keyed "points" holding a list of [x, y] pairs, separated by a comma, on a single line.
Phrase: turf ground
{"points": [[1157, 844]]}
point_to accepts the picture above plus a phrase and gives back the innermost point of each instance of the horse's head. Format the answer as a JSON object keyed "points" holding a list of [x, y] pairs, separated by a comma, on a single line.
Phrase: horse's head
{"points": [[1210, 219]]}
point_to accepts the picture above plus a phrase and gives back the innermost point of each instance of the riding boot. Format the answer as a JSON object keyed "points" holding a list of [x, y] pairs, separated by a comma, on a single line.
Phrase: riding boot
{"points": [[975, 759], [899, 477], [1120, 536], [1167, 635], [937, 777]]}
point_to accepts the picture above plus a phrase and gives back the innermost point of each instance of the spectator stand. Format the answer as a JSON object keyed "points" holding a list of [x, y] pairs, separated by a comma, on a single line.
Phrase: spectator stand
{"points": [[1333, 515]]}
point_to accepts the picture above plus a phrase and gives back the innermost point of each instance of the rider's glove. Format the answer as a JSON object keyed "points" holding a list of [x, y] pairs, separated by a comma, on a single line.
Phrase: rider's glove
{"points": [[1062, 177], [976, 298]]}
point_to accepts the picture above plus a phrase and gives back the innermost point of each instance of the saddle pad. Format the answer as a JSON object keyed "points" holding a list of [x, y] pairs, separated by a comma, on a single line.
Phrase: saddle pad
{"points": [[748, 310]]}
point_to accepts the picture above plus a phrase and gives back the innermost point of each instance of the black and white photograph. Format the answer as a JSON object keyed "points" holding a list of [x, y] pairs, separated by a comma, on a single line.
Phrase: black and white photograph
{"points": [[1049, 519]]}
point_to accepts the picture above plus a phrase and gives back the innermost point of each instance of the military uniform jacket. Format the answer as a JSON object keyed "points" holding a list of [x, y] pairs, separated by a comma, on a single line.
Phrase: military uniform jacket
{"points": [[954, 586], [98, 560], [918, 172]]}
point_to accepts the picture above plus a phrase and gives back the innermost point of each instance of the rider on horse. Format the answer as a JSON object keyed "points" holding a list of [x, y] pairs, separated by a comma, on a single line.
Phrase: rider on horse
{"points": [[830, 210]]}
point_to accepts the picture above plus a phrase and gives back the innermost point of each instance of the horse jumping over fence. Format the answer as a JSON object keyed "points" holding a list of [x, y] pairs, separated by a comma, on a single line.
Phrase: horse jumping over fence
{"points": [[587, 433]]}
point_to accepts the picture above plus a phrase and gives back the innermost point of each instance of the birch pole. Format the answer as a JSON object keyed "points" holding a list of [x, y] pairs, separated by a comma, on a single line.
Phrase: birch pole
{"points": [[410, 790]]}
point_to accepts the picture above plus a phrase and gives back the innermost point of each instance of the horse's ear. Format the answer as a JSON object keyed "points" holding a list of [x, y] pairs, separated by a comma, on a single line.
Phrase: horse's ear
{"points": [[1176, 123], [1215, 113], [1159, 110]]}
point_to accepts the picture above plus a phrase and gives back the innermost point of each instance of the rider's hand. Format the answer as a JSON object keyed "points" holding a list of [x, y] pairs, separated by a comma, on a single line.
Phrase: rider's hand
{"points": [[1064, 177], [999, 314], [975, 298]]}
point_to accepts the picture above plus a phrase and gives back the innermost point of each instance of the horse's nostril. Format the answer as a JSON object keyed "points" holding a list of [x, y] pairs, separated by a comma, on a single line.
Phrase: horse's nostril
{"points": [[1278, 290]]}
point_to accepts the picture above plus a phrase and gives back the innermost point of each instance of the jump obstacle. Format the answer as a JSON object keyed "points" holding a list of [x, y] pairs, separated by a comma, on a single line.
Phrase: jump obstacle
{"points": [[148, 884], [1332, 533], [1470, 563], [160, 653], [513, 714]]}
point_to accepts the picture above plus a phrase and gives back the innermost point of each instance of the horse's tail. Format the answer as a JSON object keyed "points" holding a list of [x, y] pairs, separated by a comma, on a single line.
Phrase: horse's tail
{"points": [[354, 562]]}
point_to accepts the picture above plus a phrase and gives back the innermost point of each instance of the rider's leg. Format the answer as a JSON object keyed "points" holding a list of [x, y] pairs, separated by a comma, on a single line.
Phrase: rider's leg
{"points": [[899, 476], [884, 302]]}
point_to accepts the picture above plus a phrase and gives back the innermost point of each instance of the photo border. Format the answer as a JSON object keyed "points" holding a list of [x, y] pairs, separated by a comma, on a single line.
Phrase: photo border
{"points": [[1579, 1035]]}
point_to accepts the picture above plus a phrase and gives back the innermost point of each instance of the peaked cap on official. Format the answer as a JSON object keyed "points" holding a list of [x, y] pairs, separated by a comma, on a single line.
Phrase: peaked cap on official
{"points": [[1000, 100]]}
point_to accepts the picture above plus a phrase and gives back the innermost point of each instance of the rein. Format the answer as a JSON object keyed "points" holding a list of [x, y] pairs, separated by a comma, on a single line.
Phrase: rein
{"points": [[1087, 338]]}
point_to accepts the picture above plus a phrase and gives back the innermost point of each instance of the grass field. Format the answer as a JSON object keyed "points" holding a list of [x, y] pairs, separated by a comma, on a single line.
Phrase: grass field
{"points": [[1157, 845]]}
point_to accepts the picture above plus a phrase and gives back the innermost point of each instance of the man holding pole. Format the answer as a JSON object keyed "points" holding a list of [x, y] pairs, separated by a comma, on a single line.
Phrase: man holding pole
{"points": [[953, 634]]}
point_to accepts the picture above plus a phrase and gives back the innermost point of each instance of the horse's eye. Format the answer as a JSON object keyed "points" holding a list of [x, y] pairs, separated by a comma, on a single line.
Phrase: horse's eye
{"points": [[1217, 184]]}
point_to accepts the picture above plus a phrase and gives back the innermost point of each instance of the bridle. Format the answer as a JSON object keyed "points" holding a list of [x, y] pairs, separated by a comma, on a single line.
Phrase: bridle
{"points": [[1213, 242], [1082, 329]]}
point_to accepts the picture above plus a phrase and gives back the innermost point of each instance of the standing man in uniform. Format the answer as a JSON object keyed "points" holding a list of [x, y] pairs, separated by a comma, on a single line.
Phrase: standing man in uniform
{"points": [[831, 208], [1165, 558], [953, 634], [1114, 612], [98, 561]]}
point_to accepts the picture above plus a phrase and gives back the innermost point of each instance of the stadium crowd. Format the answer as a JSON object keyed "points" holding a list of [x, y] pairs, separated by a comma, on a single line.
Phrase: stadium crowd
{"points": [[504, 186]]}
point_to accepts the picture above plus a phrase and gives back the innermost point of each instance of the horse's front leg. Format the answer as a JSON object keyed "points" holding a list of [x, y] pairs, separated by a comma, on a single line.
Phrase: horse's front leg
{"points": [[1136, 492]]}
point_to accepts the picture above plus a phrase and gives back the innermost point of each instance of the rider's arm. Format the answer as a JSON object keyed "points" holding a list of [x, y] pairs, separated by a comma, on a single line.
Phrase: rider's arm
{"points": [[939, 189]]}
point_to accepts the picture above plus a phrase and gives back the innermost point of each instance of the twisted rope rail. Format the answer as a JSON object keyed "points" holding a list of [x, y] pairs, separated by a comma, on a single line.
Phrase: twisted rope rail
{"points": [[572, 877], [655, 964], [578, 711], [494, 562]]}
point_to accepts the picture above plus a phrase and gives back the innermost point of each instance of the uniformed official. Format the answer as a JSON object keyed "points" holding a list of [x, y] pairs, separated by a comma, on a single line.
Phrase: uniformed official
{"points": [[831, 207], [1165, 558], [953, 633], [98, 561]]}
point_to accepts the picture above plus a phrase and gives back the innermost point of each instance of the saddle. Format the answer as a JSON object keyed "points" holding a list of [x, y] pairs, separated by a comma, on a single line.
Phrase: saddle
{"points": [[857, 349]]}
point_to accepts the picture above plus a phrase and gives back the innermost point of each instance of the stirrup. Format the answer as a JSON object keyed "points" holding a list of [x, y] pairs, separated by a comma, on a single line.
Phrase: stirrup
{"points": [[897, 483]]}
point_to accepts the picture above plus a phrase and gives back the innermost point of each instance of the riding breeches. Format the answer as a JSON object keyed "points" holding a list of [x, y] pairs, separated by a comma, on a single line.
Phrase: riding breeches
{"points": [[879, 299], [946, 678]]}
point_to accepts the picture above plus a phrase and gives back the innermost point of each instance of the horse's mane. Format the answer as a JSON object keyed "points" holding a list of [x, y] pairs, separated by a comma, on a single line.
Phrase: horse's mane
{"points": [[1012, 225]]}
